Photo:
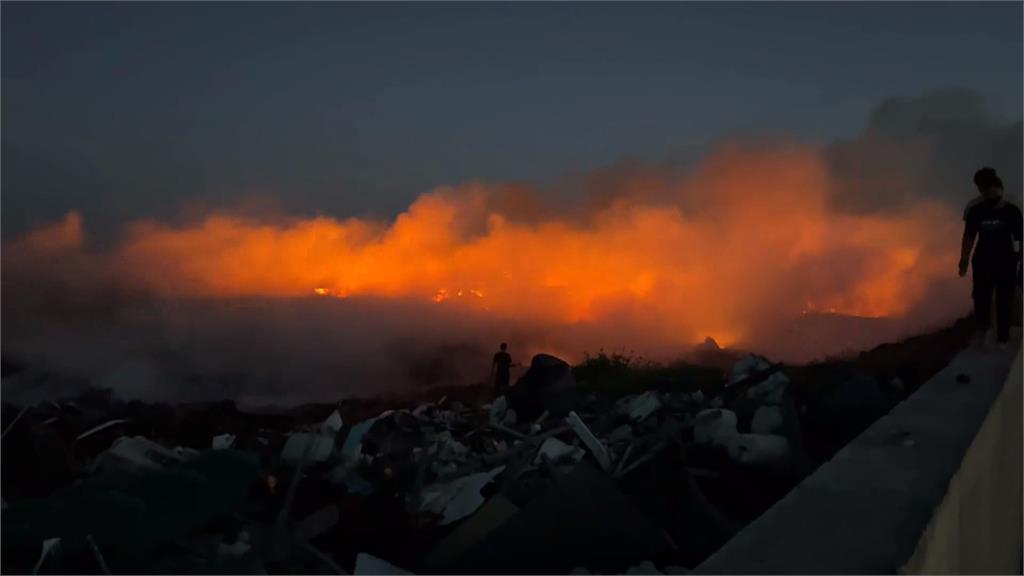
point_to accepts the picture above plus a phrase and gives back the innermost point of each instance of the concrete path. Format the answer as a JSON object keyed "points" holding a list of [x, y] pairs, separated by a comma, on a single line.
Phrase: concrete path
{"points": [[868, 509]]}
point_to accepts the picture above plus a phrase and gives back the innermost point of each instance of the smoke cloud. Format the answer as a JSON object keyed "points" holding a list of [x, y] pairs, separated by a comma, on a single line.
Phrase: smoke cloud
{"points": [[791, 250]]}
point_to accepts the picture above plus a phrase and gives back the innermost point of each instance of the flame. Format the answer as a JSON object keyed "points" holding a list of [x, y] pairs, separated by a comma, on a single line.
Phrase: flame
{"points": [[749, 238]]}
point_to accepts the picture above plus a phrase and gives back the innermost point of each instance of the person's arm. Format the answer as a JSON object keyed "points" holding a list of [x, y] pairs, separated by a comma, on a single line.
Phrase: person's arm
{"points": [[967, 243]]}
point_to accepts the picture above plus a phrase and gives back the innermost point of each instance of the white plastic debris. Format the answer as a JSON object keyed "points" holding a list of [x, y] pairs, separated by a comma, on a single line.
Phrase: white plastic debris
{"points": [[592, 443], [497, 410], [457, 499], [99, 428], [223, 442], [771, 391], [452, 450], [369, 564], [352, 449], [50, 545], [758, 450], [352, 480], [639, 407], [333, 423], [554, 450], [713, 425], [137, 453], [319, 447], [767, 420], [746, 366]]}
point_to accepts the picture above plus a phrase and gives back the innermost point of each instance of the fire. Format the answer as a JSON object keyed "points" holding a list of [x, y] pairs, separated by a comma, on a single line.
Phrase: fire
{"points": [[750, 238]]}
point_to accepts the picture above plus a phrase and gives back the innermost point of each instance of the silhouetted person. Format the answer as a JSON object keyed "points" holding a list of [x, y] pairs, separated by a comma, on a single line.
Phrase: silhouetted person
{"points": [[997, 225], [500, 368]]}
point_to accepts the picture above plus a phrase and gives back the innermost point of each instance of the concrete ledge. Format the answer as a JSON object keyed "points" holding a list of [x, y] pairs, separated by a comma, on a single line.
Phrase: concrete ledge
{"points": [[913, 492]]}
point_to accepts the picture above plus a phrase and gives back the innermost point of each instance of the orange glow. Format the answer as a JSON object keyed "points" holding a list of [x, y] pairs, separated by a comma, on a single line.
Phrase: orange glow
{"points": [[749, 238]]}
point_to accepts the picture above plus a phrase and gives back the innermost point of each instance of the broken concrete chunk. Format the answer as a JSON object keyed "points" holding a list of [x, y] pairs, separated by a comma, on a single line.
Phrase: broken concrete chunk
{"points": [[497, 410], [457, 499], [318, 447], [554, 450], [352, 449], [223, 442], [333, 423], [639, 407], [747, 366], [589, 440], [136, 454], [713, 425], [767, 420], [771, 391], [489, 517], [369, 564]]}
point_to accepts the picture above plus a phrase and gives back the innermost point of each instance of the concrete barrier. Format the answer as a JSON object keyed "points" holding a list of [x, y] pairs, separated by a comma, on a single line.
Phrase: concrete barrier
{"points": [[934, 486]]}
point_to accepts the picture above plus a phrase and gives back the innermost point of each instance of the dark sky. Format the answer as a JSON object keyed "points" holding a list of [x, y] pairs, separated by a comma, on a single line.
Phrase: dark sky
{"points": [[126, 110]]}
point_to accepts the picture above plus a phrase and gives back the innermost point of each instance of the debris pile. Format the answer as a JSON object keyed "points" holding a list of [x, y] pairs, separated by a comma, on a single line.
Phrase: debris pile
{"points": [[547, 479]]}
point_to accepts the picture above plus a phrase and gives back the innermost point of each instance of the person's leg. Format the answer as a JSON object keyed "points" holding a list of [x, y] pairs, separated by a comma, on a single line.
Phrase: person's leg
{"points": [[982, 294], [1005, 286]]}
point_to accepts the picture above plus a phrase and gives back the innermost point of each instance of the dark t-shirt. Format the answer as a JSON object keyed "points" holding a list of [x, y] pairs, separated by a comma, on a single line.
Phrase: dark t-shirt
{"points": [[502, 362], [998, 226]]}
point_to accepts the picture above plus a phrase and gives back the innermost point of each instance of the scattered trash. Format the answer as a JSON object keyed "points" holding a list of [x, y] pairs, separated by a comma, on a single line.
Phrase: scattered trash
{"points": [[136, 454], [540, 480], [223, 441], [490, 516], [640, 407], [592, 443], [713, 425], [770, 391], [747, 367], [458, 498], [333, 424], [351, 450], [554, 450]]}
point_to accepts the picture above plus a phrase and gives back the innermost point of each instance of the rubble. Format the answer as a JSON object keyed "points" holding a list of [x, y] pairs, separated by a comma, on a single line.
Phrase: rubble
{"points": [[456, 499], [639, 407], [589, 440], [222, 441], [543, 479]]}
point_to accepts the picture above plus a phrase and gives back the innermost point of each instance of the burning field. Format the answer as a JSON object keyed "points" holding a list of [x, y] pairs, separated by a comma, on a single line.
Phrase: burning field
{"points": [[754, 247]]}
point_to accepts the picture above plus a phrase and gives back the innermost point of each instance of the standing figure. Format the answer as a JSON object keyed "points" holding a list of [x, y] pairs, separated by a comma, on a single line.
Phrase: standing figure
{"points": [[996, 224], [500, 368]]}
